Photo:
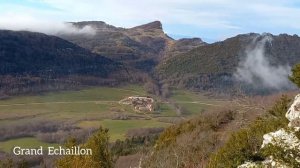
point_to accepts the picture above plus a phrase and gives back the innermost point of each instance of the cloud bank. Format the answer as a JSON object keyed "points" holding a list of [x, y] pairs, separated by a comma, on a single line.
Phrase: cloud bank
{"points": [[28, 23], [212, 19], [257, 71]]}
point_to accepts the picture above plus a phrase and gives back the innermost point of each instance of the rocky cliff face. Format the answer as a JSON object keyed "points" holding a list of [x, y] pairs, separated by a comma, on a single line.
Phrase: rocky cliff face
{"points": [[285, 140]]}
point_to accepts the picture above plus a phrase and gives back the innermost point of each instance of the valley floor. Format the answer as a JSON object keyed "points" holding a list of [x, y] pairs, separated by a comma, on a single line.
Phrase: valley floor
{"points": [[88, 109]]}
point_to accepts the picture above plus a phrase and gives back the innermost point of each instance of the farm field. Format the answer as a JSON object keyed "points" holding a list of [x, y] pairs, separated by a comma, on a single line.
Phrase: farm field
{"points": [[94, 107], [195, 103], [118, 128]]}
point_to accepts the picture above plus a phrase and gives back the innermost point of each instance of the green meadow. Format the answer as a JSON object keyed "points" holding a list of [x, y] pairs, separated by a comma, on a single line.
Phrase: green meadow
{"points": [[118, 128], [94, 107], [194, 102]]}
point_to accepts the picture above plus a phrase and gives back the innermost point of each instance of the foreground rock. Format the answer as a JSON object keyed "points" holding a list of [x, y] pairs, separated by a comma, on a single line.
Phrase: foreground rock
{"points": [[284, 138], [293, 114]]}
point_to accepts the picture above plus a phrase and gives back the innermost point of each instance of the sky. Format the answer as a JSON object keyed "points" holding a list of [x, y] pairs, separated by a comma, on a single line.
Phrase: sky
{"points": [[211, 20]]}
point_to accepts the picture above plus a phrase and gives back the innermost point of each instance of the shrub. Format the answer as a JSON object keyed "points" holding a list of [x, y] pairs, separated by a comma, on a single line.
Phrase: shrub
{"points": [[190, 143], [132, 145], [207, 121], [282, 155], [245, 144], [143, 132], [60, 136], [101, 157], [295, 77]]}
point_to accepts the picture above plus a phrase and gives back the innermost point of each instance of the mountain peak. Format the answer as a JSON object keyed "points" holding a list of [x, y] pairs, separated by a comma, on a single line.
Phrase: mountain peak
{"points": [[151, 25]]}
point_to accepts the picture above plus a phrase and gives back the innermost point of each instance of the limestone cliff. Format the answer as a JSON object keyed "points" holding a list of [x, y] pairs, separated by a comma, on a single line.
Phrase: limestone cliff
{"points": [[285, 139]]}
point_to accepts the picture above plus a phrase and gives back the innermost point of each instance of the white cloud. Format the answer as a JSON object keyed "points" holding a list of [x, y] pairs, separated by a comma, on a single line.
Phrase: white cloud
{"points": [[39, 21], [134, 12], [219, 18], [29, 23], [257, 71]]}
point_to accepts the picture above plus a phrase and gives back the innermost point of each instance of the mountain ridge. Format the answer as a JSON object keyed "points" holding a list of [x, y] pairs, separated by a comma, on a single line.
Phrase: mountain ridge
{"points": [[213, 65], [141, 47]]}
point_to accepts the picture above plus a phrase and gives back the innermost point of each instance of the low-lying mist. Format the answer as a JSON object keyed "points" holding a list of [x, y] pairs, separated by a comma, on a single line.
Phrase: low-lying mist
{"points": [[257, 71], [50, 28]]}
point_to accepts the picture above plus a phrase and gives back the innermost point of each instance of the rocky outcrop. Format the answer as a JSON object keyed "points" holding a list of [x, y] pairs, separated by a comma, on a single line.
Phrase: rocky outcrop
{"points": [[150, 26], [293, 114], [139, 103], [284, 138], [268, 163]]}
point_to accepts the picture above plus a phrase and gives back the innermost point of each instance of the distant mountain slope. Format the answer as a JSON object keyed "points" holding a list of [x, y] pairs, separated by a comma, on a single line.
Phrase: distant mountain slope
{"points": [[44, 58], [184, 45], [35, 53], [141, 47], [213, 65]]}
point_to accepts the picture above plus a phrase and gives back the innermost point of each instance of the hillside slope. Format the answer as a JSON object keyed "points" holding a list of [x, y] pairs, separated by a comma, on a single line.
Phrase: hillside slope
{"points": [[35, 53], [44, 59], [214, 65], [224, 137]]}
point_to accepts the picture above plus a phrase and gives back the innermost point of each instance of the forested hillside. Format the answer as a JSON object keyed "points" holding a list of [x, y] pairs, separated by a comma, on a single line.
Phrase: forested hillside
{"points": [[34, 59], [214, 65]]}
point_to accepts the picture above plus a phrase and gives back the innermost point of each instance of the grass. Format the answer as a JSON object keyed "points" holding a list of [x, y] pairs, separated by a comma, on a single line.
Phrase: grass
{"points": [[67, 105], [118, 128], [183, 95], [90, 94], [92, 107], [167, 110], [27, 142], [194, 103]]}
